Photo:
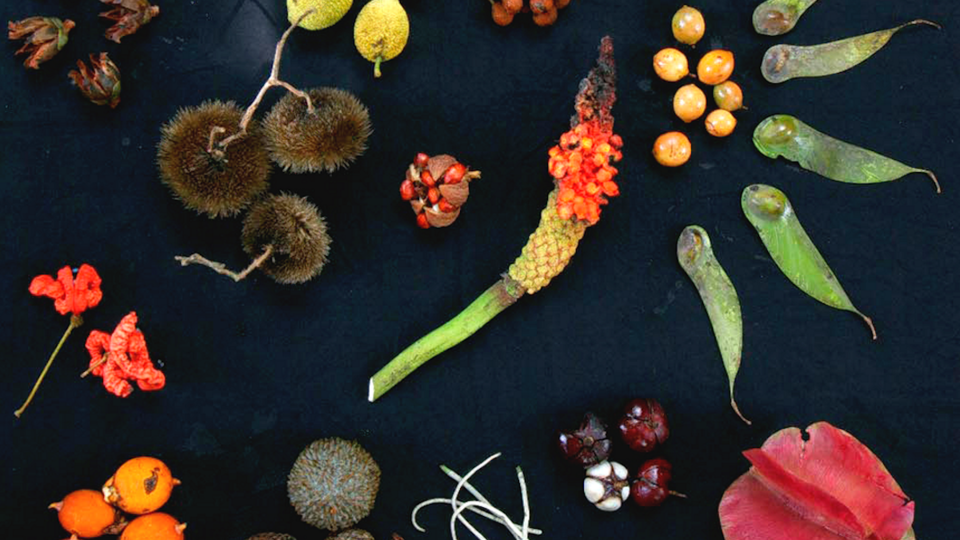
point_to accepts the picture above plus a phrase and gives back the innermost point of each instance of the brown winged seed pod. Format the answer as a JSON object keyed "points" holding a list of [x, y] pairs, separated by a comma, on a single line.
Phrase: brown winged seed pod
{"points": [[100, 82]]}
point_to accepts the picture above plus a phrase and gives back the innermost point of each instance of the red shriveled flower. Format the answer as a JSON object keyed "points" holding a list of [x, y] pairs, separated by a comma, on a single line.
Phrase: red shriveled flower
{"points": [[43, 38], [121, 357], [71, 293], [129, 15]]}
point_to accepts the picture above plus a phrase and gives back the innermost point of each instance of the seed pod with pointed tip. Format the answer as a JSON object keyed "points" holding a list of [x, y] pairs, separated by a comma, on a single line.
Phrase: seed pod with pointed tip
{"points": [[771, 214], [785, 136], [217, 185], [784, 62], [329, 138]]}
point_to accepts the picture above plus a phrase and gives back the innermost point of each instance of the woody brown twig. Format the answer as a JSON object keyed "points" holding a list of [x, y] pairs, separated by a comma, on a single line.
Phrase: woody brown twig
{"points": [[222, 269]]}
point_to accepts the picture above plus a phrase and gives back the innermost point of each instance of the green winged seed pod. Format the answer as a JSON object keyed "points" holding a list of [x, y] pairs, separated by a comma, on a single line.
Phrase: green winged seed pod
{"points": [[784, 62], [785, 136], [777, 17], [695, 254], [770, 212]]}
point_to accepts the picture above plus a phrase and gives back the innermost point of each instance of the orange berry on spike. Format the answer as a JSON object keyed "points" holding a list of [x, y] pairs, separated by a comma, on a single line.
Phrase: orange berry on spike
{"points": [[611, 189], [140, 486], [616, 141], [84, 513], [155, 526]]}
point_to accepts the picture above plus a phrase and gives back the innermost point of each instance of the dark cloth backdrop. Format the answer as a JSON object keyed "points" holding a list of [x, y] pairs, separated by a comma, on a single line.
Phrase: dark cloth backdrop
{"points": [[257, 370]]}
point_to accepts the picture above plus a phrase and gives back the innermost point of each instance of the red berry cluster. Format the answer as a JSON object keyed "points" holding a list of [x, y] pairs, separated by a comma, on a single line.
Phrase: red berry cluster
{"points": [[436, 188], [544, 11], [643, 427], [583, 166]]}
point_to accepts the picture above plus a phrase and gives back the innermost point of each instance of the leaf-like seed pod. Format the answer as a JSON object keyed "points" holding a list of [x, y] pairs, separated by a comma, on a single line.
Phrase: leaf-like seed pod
{"points": [[333, 484], [216, 185], [295, 231], [329, 138]]}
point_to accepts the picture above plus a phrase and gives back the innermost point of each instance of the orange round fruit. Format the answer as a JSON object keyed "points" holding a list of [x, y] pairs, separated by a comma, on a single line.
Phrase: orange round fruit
{"points": [[715, 67], [671, 65], [721, 123], [155, 526], [513, 6], [501, 15], [672, 149], [689, 103], [84, 513], [140, 486], [728, 96], [688, 25]]}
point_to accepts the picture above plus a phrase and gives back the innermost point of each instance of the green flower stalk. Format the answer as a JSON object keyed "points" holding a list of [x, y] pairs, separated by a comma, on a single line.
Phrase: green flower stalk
{"points": [[583, 172]]}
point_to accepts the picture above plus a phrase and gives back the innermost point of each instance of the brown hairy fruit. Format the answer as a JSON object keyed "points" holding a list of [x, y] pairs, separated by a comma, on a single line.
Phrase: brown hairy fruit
{"points": [[271, 536], [330, 138], [295, 230], [217, 186], [352, 534], [333, 484]]}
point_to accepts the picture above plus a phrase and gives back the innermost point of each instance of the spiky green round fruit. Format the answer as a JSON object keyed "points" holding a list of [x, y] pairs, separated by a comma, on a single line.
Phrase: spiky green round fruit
{"points": [[326, 13], [217, 186], [296, 232], [333, 484], [329, 138], [271, 536], [352, 534]]}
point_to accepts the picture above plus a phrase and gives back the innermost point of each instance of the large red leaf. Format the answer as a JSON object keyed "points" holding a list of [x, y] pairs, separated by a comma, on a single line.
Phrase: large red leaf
{"points": [[830, 482]]}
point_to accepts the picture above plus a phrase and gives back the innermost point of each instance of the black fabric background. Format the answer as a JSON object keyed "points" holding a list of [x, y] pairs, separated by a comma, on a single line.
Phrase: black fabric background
{"points": [[257, 370]]}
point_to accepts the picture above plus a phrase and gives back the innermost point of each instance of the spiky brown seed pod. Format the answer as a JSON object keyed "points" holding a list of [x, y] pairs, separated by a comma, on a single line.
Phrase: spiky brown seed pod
{"points": [[296, 231], [333, 484], [271, 536], [333, 136], [352, 534], [212, 185]]}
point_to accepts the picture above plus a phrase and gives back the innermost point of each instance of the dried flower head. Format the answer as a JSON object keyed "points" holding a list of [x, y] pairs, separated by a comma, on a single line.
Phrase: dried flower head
{"points": [[331, 137], [333, 484], [352, 534], [296, 233], [43, 38], [100, 82], [271, 536], [212, 183], [129, 15]]}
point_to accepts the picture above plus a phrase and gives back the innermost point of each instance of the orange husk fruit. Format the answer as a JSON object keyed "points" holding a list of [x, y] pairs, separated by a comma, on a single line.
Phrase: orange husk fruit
{"points": [[140, 486], [85, 514], [155, 526]]}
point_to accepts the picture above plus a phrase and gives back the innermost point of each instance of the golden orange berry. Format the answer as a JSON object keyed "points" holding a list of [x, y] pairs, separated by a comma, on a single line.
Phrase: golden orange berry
{"points": [[513, 6], [715, 67], [671, 65], [689, 103], [140, 486], [155, 526], [501, 15], [84, 513], [721, 123], [728, 96], [546, 18], [688, 25], [672, 149]]}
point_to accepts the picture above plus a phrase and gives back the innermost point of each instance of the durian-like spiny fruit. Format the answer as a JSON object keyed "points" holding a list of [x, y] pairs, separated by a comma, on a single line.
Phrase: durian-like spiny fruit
{"points": [[381, 31], [326, 13]]}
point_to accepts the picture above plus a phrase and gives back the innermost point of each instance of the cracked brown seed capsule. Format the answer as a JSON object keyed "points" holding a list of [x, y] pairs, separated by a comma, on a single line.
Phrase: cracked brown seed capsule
{"points": [[212, 183], [333, 484], [330, 138], [296, 233]]}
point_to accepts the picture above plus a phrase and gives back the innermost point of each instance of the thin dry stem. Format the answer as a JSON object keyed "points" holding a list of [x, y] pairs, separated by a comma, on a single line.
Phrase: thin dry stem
{"points": [[274, 80], [100, 362], [869, 321], [75, 322], [736, 409], [221, 268]]}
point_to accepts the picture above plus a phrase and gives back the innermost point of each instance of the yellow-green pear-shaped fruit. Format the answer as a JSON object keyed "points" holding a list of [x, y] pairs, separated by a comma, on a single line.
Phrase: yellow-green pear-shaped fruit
{"points": [[326, 13], [381, 31]]}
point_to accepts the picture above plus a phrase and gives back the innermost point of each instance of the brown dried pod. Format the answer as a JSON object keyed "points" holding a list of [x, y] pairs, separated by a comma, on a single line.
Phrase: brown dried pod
{"points": [[436, 188], [329, 138], [129, 16], [100, 82], [292, 228], [43, 38], [352, 534], [211, 181], [271, 536]]}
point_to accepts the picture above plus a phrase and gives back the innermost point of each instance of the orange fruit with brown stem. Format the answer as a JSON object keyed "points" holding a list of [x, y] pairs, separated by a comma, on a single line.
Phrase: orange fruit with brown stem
{"points": [[85, 514], [155, 526], [715, 67], [672, 149], [140, 486]]}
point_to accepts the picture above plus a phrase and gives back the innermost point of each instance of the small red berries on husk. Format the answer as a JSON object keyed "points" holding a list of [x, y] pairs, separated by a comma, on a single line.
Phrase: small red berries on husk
{"points": [[643, 425], [437, 187], [100, 82], [544, 12], [587, 445]]}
